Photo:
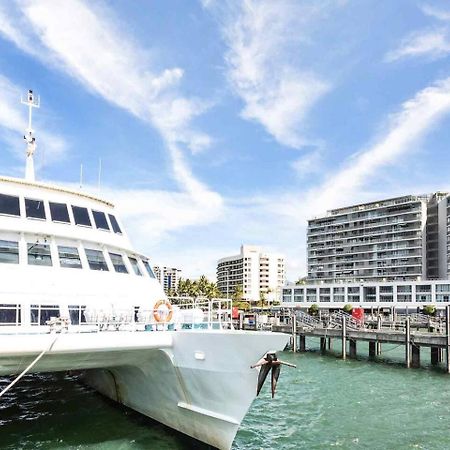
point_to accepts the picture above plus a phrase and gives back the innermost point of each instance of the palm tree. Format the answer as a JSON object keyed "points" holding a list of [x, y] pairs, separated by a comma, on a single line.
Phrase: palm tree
{"points": [[202, 285], [237, 293]]}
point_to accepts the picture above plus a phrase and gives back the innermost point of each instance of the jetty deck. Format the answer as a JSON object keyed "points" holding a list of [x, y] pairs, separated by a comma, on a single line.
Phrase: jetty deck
{"points": [[411, 331]]}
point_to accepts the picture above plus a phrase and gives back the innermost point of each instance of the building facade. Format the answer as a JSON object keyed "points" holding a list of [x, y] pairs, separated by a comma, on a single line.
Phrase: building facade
{"points": [[257, 273], [405, 294], [398, 239], [169, 277]]}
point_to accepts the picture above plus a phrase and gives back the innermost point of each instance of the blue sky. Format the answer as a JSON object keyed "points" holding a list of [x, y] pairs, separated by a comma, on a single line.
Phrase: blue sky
{"points": [[227, 122]]}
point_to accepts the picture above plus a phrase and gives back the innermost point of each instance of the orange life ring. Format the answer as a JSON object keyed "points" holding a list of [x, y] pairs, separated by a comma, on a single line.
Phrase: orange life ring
{"points": [[156, 313]]}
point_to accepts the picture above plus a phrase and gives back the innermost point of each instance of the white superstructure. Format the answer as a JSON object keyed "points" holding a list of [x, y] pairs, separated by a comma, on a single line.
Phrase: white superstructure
{"points": [[76, 295], [257, 273]]}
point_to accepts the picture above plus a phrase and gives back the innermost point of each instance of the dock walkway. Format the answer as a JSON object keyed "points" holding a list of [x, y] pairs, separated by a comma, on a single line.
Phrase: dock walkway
{"points": [[428, 333]]}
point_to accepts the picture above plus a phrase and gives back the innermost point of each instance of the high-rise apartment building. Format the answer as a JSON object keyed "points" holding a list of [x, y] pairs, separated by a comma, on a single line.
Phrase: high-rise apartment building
{"points": [[403, 238], [256, 272], [169, 277]]}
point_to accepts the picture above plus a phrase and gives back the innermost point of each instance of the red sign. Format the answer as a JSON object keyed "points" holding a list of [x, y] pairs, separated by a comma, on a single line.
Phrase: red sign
{"points": [[235, 312]]}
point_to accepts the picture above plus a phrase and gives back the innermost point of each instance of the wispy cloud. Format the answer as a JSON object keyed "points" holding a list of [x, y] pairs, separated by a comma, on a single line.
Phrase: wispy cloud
{"points": [[437, 13], [417, 117], [433, 44], [110, 64], [277, 92], [310, 163]]}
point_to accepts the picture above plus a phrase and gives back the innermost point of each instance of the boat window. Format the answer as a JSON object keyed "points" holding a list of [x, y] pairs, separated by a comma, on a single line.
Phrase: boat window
{"points": [[9, 205], [34, 208], [39, 254], [59, 212], [96, 259], [100, 220], [114, 224], [118, 264], [9, 314], [135, 266], [148, 268], [41, 314], [69, 257], [76, 314], [9, 252], [81, 216]]}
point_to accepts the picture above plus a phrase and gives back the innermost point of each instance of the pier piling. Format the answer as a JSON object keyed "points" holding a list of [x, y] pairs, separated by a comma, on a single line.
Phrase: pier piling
{"points": [[434, 356], [302, 343], [415, 356], [323, 345], [344, 338], [352, 348], [294, 333], [372, 346], [447, 332], [408, 342]]}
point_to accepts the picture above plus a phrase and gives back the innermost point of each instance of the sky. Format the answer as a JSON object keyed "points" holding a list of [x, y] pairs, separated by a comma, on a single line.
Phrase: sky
{"points": [[228, 122]]}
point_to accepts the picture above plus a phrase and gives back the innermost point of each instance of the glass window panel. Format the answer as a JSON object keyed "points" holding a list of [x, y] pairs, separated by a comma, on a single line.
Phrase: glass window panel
{"points": [[118, 264], [9, 252], [47, 312], [76, 314], [114, 224], [9, 314], [34, 208], [69, 257], [100, 220], [59, 212], [96, 259], [148, 269], [135, 266], [39, 254], [40, 314], [81, 216], [9, 205]]}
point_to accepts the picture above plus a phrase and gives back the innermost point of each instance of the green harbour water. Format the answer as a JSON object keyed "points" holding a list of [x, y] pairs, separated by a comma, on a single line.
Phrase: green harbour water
{"points": [[325, 403]]}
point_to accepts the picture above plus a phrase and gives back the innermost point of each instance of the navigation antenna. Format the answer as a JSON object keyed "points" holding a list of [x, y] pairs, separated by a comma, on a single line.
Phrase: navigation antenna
{"points": [[33, 102]]}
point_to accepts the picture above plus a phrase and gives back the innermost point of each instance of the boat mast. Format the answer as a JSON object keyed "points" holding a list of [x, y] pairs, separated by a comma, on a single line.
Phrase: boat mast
{"points": [[32, 102]]}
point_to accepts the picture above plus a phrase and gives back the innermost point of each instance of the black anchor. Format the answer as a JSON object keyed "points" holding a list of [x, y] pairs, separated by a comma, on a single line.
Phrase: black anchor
{"points": [[268, 362]]}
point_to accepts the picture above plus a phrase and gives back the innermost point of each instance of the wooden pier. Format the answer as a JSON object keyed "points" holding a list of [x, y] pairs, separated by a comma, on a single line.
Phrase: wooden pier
{"points": [[404, 333]]}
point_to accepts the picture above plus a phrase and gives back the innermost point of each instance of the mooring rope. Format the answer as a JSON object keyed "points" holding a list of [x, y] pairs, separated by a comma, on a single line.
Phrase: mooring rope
{"points": [[30, 366]]}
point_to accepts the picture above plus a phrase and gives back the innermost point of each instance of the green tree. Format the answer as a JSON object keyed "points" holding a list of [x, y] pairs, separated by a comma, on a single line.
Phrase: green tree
{"points": [[202, 285], [348, 308], [301, 280], [238, 293], [313, 310], [429, 310]]}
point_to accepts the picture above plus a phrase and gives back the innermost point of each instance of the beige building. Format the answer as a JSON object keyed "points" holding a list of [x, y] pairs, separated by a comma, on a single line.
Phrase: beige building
{"points": [[169, 277], [258, 274]]}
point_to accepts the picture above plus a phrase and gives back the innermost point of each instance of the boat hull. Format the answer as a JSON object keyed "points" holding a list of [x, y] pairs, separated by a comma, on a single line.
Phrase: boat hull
{"points": [[196, 382]]}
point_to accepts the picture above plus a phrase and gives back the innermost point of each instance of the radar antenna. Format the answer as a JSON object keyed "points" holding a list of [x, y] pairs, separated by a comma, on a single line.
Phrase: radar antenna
{"points": [[31, 101]]}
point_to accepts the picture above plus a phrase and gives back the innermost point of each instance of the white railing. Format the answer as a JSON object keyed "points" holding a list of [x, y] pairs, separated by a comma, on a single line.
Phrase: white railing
{"points": [[182, 314]]}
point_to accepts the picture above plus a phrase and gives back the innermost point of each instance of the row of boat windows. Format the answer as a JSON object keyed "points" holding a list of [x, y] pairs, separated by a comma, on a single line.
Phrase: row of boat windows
{"points": [[59, 212], [40, 314], [39, 254]]}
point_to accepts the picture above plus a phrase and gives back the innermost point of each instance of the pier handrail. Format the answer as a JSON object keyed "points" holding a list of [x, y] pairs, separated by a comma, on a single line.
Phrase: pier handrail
{"points": [[307, 320]]}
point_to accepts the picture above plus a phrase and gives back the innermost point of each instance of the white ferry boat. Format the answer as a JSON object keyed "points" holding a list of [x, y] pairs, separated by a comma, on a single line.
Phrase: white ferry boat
{"points": [[75, 295]]}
